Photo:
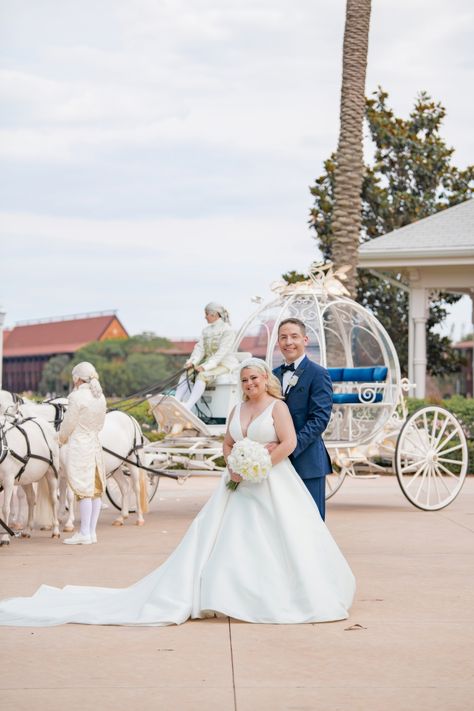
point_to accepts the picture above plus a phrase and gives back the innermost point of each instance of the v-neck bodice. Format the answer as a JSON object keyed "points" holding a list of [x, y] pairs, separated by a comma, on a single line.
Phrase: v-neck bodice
{"points": [[260, 429]]}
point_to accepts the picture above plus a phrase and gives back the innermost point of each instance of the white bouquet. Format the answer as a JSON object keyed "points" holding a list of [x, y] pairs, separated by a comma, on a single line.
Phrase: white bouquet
{"points": [[250, 460]]}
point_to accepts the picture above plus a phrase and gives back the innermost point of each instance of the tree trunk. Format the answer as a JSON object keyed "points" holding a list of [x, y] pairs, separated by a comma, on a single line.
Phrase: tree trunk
{"points": [[349, 164]]}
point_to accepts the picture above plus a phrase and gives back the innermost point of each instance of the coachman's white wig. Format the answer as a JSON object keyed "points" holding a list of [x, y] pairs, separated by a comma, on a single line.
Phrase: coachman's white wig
{"points": [[214, 308], [85, 371]]}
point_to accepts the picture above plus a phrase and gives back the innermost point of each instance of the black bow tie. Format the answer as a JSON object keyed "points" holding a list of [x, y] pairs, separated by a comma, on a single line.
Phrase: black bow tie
{"points": [[284, 367]]}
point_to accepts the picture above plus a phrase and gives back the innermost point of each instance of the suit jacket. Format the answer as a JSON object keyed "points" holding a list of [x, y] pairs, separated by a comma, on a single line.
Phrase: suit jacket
{"points": [[310, 405]]}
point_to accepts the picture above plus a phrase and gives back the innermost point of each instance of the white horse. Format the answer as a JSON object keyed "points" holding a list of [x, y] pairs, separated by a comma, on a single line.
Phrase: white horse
{"points": [[29, 452], [121, 435], [52, 411]]}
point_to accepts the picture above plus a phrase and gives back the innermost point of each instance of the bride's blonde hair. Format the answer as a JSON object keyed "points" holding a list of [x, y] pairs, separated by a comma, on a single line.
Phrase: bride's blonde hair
{"points": [[273, 384]]}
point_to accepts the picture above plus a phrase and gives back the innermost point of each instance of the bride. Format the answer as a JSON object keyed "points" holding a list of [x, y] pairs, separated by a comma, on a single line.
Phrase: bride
{"points": [[260, 553]]}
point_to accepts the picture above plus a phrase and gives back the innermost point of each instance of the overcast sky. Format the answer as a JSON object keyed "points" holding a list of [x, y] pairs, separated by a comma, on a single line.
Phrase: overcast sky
{"points": [[156, 154]]}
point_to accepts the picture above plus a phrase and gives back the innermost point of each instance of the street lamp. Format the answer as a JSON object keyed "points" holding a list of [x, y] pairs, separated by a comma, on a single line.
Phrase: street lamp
{"points": [[2, 320]]}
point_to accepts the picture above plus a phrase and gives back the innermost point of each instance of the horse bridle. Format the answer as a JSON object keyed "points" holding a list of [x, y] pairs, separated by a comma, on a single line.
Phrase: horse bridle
{"points": [[5, 449], [3, 443], [59, 416]]}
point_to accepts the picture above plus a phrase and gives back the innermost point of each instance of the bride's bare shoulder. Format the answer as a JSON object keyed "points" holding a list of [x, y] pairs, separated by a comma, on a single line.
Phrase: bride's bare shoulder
{"points": [[280, 406]]}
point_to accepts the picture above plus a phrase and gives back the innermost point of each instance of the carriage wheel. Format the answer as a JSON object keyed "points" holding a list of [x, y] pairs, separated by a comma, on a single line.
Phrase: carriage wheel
{"points": [[114, 494], [431, 458], [335, 480]]}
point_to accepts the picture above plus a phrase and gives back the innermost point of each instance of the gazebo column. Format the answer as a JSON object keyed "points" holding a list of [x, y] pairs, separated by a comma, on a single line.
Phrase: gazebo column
{"points": [[417, 338]]}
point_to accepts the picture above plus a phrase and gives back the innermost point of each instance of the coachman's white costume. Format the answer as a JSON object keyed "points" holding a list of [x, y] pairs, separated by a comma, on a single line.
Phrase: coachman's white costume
{"points": [[213, 353], [214, 350]]}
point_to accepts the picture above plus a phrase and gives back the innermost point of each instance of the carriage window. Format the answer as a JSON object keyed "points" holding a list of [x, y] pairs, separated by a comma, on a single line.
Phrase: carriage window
{"points": [[353, 337], [366, 348], [259, 337], [305, 308], [257, 334]]}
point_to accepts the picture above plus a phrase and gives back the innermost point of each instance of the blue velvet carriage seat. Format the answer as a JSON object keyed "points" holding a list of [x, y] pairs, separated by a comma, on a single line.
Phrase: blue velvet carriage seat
{"points": [[367, 394]]}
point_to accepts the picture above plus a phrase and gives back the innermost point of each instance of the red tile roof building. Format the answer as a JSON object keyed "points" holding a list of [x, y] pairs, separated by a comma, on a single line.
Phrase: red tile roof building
{"points": [[256, 345], [29, 345]]}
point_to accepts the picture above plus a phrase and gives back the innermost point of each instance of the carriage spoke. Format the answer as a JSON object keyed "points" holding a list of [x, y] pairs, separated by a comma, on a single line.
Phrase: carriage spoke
{"points": [[415, 476], [425, 422], [435, 481], [433, 428], [452, 449], [413, 443], [442, 481], [428, 488], [423, 477], [445, 442], [418, 432], [451, 474], [450, 461], [412, 465], [441, 433]]}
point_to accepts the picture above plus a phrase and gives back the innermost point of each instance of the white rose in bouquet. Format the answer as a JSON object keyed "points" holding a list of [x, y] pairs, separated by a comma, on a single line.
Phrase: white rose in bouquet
{"points": [[250, 460]]}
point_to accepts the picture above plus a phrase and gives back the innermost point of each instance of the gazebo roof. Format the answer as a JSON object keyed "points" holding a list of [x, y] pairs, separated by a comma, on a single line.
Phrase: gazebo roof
{"points": [[444, 238]]}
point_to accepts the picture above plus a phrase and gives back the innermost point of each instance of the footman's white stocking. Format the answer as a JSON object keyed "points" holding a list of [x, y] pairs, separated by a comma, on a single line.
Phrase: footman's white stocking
{"points": [[85, 508], [197, 391], [183, 389], [96, 507]]}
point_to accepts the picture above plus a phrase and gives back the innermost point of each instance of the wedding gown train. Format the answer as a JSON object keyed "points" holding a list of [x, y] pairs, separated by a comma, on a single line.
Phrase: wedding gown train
{"points": [[260, 554]]}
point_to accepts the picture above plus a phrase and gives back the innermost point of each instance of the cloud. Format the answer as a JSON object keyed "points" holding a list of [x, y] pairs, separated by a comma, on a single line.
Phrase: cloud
{"points": [[157, 153], [159, 274]]}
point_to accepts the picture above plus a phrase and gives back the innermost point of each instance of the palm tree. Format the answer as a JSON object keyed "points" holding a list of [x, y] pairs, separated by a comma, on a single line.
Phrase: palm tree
{"points": [[349, 162]]}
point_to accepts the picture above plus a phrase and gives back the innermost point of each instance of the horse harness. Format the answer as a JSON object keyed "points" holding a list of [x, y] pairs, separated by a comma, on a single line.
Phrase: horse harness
{"points": [[59, 416], [5, 449], [138, 443]]}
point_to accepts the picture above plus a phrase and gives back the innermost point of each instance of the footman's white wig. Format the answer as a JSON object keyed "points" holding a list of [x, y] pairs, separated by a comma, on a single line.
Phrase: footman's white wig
{"points": [[87, 373]]}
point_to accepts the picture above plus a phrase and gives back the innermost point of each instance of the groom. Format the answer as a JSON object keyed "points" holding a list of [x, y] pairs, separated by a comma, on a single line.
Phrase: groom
{"points": [[307, 389]]}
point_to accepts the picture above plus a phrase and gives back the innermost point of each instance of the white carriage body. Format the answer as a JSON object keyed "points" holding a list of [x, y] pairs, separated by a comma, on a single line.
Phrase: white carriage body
{"points": [[368, 431], [343, 336]]}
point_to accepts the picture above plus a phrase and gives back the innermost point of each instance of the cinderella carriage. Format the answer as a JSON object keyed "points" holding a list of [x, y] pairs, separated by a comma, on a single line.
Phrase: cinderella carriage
{"points": [[369, 433]]}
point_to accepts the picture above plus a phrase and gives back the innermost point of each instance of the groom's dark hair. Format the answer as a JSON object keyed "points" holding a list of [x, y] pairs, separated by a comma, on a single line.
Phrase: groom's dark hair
{"points": [[296, 321]]}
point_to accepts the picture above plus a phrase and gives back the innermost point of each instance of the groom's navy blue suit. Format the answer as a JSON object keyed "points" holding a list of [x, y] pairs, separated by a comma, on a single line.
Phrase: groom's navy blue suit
{"points": [[310, 405]]}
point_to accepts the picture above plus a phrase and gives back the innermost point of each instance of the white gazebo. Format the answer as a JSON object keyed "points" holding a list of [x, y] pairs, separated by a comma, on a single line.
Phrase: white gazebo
{"points": [[433, 254]]}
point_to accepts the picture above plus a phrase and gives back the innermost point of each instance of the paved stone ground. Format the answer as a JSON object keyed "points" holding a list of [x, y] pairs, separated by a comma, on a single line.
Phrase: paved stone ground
{"points": [[408, 644]]}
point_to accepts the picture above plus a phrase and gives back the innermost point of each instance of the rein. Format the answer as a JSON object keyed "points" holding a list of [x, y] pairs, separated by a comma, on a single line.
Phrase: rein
{"points": [[134, 450], [160, 472]]}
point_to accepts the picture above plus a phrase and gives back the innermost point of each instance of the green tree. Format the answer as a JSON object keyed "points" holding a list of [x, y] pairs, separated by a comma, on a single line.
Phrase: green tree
{"points": [[349, 162], [52, 379], [410, 177], [126, 365]]}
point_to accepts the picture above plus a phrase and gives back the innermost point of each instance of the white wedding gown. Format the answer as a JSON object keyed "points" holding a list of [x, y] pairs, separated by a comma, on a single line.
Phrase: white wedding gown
{"points": [[260, 554]]}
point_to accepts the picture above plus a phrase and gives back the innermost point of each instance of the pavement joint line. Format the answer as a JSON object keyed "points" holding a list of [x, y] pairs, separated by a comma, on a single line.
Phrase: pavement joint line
{"points": [[458, 523], [232, 663], [241, 686]]}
